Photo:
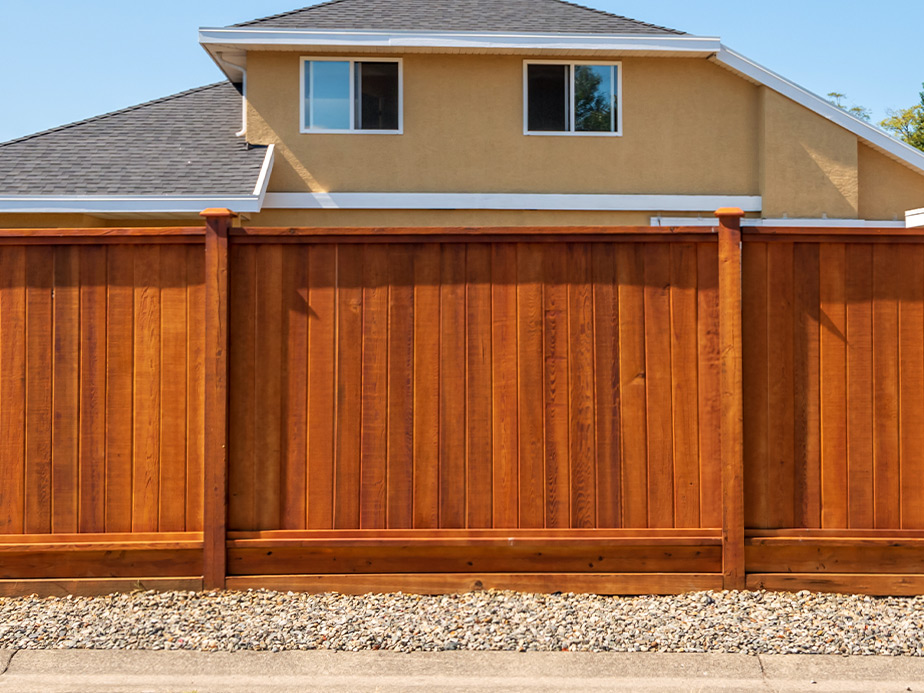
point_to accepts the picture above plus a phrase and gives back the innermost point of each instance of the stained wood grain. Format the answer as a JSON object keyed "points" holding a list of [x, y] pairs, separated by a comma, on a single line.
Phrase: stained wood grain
{"points": [[400, 371], [606, 387], [859, 290], [146, 391], [658, 380], [347, 469], [530, 395], [633, 378], [479, 414], [504, 350], [39, 346], [807, 386], [833, 350], [65, 427], [294, 439], [888, 286], [781, 473], [452, 387], [12, 388], [374, 426], [910, 268], [92, 407], [426, 386], [242, 363], [173, 388], [322, 379], [709, 372], [119, 381], [556, 351], [684, 386]]}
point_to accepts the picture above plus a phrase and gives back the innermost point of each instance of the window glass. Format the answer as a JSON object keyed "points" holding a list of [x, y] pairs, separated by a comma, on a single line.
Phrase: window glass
{"points": [[548, 92], [330, 95], [377, 96], [593, 98]]}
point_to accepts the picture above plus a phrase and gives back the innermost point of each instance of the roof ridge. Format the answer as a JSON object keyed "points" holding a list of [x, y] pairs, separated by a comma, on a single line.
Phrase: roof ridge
{"points": [[619, 16], [290, 12], [103, 116]]}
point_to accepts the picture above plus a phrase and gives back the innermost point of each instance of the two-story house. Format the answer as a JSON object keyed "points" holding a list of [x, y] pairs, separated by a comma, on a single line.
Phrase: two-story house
{"points": [[466, 112]]}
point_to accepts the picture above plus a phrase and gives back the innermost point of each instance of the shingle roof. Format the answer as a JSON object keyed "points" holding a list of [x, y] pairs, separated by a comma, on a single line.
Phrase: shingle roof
{"points": [[538, 16], [182, 144]]}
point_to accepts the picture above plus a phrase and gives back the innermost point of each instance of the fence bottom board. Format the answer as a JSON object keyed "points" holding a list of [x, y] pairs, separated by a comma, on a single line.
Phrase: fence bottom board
{"points": [[449, 583], [91, 587], [877, 585]]}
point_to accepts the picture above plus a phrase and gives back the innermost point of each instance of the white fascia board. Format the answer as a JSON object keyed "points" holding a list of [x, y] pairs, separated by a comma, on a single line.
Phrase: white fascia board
{"points": [[878, 138], [270, 38], [518, 202], [914, 217], [784, 223], [134, 204], [263, 179]]}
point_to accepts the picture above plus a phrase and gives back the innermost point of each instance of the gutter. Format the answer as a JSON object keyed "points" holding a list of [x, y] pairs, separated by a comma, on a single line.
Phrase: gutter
{"points": [[227, 66]]}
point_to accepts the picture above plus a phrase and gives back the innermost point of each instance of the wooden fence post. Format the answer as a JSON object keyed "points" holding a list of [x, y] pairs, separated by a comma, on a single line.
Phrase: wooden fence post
{"points": [[215, 503], [732, 405]]}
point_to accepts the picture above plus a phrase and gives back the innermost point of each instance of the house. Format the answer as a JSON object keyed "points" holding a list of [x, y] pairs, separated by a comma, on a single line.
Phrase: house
{"points": [[513, 112]]}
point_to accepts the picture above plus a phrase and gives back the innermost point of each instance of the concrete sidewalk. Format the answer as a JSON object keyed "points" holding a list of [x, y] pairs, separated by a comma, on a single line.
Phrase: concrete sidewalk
{"points": [[188, 672]]}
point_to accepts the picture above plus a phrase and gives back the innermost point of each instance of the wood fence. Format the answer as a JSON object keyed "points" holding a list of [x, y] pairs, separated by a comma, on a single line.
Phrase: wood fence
{"points": [[618, 410]]}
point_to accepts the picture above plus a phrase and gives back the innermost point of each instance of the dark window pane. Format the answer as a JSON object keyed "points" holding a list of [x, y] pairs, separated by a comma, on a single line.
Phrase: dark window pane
{"points": [[377, 91], [593, 98], [549, 101]]}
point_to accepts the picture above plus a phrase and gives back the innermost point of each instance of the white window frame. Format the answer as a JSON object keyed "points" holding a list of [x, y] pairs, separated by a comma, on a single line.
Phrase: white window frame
{"points": [[617, 112], [305, 60]]}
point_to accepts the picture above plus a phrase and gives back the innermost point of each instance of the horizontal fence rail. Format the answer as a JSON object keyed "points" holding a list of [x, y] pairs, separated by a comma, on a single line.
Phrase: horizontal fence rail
{"points": [[602, 409]]}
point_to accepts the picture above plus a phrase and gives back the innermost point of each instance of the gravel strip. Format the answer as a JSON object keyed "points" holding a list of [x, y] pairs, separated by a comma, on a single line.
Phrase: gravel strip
{"points": [[730, 622]]}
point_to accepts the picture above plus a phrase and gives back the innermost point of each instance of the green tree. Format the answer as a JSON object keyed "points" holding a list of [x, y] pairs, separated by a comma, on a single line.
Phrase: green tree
{"points": [[592, 107], [907, 123], [860, 112]]}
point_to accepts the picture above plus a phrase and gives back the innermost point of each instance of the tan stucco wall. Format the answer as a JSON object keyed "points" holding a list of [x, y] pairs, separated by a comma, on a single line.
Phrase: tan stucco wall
{"points": [[808, 165], [888, 189], [463, 128]]}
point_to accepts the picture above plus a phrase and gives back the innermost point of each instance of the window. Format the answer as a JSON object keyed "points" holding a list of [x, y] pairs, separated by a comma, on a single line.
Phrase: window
{"points": [[572, 98], [351, 95]]}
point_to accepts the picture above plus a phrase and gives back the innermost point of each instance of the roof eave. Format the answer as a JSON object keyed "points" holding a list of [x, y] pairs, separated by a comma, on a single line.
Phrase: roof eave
{"points": [[878, 139], [148, 204], [276, 39]]}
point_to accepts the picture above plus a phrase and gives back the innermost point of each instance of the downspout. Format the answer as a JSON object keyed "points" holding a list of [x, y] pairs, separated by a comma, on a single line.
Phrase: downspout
{"points": [[227, 64]]}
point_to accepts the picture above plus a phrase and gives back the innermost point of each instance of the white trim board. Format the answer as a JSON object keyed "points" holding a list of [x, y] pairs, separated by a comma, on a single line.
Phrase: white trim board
{"points": [[257, 37], [519, 202], [674, 222], [914, 217], [264, 178], [133, 204]]}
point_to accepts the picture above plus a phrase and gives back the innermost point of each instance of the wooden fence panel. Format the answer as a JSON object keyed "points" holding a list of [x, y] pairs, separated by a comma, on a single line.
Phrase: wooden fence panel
{"points": [[510, 385], [834, 371], [100, 431]]}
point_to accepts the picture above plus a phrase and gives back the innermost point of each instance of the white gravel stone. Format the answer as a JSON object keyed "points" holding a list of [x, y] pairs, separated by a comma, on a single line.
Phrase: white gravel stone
{"points": [[730, 622]]}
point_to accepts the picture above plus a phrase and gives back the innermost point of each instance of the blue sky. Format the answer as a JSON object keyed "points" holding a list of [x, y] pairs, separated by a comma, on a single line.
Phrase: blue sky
{"points": [[64, 60]]}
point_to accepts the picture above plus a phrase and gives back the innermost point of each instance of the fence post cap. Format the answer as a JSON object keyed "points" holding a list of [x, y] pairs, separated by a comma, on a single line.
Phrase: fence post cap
{"points": [[729, 212], [216, 212]]}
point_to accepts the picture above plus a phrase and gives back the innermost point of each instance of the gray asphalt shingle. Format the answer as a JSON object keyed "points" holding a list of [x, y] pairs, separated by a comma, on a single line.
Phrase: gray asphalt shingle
{"points": [[182, 144], [539, 16]]}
